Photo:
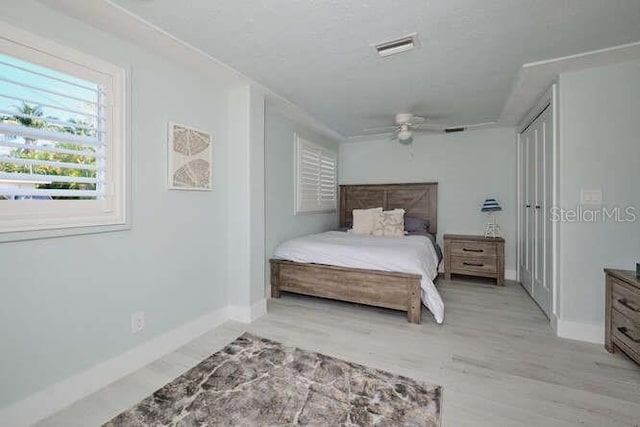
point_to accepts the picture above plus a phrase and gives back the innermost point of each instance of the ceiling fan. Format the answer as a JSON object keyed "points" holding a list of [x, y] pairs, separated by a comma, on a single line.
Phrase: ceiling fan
{"points": [[407, 124]]}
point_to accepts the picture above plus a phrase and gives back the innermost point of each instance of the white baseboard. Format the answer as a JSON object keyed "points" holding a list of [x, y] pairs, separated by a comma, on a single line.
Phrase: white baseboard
{"points": [[589, 332], [247, 314], [58, 396], [554, 323]]}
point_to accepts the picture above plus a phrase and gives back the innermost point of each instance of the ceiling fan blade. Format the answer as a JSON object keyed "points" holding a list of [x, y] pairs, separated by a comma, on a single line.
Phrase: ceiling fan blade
{"points": [[381, 129], [427, 126], [476, 125], [434, 129], [455, 129], [429, 130]]}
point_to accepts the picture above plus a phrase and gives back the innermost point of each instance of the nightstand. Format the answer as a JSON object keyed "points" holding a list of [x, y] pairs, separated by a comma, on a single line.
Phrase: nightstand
{"points": [[622, 313], [474, 256]]}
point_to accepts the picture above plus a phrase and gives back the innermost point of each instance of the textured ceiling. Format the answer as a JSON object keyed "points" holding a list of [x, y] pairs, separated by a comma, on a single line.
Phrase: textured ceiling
{"points": [[318, 54]]}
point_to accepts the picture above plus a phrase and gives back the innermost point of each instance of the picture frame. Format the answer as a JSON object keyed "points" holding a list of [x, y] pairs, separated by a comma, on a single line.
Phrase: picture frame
{"points": [[189, 158]]}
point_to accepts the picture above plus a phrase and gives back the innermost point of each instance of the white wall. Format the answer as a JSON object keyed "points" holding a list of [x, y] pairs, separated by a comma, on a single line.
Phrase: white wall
{"points": [[281, 222], [257, 189], [599, 149], [66, 303], [468, 167], [245, 233]]}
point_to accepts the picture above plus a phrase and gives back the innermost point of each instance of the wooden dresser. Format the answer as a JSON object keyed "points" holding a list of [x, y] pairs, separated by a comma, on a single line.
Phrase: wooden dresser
{"points": [[474, 256], [622, 328]]}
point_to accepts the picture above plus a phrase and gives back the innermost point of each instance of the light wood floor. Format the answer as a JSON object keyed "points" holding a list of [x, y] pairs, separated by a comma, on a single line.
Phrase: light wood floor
{"points": [[496, 356]]}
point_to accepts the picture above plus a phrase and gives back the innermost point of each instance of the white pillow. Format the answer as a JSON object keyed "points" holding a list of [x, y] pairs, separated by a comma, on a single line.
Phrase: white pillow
{"points": [[363, 220], [389, 223]]}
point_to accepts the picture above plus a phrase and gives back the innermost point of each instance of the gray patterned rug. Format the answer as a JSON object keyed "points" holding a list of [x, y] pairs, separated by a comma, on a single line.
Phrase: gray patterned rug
{"points": [[254, 381]]}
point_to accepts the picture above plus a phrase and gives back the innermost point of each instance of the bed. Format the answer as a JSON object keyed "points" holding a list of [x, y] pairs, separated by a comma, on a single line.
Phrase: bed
{"points": [[353, 276]]}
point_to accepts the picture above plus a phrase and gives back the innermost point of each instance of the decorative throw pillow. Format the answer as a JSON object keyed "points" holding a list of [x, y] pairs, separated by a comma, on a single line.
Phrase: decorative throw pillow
{"points": [[363, 220], [389, 223], [416, 225]]}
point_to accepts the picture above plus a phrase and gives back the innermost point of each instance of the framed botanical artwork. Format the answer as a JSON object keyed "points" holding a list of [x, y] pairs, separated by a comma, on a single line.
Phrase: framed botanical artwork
{"points": [[190, 158]]}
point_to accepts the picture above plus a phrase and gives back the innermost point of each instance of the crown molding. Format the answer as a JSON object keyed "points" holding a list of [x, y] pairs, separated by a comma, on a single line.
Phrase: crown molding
{"points": [[535, 78], [532, 80], [294, 112], [114, 19]]}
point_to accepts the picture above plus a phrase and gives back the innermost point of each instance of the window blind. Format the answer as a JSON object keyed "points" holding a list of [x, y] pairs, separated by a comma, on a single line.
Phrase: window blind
{"points": [[316, 178], [52, 133]]}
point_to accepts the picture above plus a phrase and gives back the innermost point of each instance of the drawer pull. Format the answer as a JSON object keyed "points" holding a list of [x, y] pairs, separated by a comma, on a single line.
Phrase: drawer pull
{"points": [[473, 264], [624, 331], [624, 302], [473, 250]]}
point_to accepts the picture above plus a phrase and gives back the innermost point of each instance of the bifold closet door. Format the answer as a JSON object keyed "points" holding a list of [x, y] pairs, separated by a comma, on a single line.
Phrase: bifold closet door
{"points": [[541, 208], [535, 194], [527, 142]]}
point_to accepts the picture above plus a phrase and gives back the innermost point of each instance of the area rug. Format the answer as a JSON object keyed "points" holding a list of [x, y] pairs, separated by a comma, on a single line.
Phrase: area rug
{"points": [[258, 382]]}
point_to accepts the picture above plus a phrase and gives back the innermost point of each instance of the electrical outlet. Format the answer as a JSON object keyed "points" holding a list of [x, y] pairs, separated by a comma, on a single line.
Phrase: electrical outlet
{"points": [[137, 322]]}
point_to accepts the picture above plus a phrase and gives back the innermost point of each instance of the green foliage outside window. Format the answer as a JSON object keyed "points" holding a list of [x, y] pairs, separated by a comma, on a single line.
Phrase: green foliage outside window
{"points": [[32, 116]]}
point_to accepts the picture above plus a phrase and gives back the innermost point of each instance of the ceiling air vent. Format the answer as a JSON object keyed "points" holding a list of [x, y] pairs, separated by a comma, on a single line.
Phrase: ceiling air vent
{"points": [[397, 46]]}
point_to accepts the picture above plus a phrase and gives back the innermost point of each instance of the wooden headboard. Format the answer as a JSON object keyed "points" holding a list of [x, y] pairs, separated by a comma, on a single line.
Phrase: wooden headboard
{"points": [[419, 200]]}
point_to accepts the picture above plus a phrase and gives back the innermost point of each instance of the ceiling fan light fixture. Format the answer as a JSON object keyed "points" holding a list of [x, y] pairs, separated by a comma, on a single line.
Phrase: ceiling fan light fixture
{"points": [[404, 118], [404, 135]]}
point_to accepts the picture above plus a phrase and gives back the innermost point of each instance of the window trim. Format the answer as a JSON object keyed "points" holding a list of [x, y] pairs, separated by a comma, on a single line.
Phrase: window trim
{"points": [[69, 217], [298, 142]]}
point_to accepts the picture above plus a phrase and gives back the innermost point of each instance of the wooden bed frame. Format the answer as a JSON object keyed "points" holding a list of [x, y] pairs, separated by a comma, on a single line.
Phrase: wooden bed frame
{"points": [[398, 291]]}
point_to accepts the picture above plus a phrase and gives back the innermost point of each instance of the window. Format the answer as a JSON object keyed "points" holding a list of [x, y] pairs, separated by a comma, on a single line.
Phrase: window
{"points": [[315, 177], [62, 138]]}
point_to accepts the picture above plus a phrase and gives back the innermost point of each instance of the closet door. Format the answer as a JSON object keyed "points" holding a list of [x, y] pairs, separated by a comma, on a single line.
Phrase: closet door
{"points": [[527, 141], [532, 149], [523, 268], [535, 196], [541, 206]]}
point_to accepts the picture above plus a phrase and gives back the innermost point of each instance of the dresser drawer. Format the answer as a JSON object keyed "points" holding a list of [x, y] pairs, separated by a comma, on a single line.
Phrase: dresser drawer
{"points": [[626, 331], [473, 249], [625, 299], [473, 265]]}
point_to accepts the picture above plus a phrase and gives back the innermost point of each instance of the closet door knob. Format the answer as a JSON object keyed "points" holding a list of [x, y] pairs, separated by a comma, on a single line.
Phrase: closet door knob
{"points": [[537, 206], [527, 206]]}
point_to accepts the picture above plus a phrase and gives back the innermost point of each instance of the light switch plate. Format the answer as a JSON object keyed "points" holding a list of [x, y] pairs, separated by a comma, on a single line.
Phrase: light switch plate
{"points": [[591, 197]]}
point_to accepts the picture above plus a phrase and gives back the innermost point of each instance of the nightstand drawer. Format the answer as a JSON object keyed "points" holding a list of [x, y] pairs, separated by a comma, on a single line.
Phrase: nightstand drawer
{"points": [[625, 299], [473, 265], [626, 330], [473, 249]]}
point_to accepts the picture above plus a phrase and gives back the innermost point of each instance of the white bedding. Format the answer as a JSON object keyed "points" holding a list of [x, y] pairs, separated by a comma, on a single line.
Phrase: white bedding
{"points": [[409, 254]]}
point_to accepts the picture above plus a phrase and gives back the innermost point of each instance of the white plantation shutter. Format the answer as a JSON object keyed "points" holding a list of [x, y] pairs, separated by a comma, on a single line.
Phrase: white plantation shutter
{"points": [[42, 155], [315, 178], [61, 136]]}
